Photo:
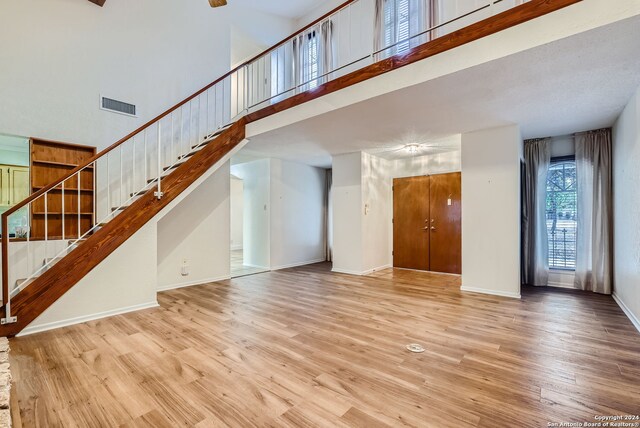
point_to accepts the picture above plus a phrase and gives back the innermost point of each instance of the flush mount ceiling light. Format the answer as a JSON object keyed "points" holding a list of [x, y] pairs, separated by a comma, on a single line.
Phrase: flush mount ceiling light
{"points": [[412, 148]]}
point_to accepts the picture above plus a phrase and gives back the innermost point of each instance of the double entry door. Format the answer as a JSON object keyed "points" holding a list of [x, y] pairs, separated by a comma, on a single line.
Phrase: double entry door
{"points": [[427, 223]]}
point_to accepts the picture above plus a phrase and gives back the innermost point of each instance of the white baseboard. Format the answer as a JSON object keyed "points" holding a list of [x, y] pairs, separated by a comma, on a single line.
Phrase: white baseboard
{"points": [[366, 272], [346, 272], [632, 317], [192, 283], [79, 320], [379, 268], [256, 266], [292, 265], [491, 292]]}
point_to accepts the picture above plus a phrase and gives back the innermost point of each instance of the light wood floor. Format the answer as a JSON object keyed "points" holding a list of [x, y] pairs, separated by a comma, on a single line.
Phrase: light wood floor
{"points": [[238, 268], [305, 347]]}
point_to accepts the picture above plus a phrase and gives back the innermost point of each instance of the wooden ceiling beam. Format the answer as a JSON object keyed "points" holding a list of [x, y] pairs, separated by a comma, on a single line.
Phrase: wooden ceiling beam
{"points": [[98, 2]]}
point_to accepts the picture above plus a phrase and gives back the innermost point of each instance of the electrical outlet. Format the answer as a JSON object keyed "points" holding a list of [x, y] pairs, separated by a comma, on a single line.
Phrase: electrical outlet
{"points": [[184, 269]]}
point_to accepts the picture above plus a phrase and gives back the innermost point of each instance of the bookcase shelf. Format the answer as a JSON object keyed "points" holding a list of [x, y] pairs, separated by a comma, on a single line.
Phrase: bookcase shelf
{"points": [[50, 161]]}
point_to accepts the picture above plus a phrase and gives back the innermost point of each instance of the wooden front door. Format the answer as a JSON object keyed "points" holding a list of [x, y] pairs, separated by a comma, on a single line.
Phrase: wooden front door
{"points": [[446, 223], [411, 223], [427, 223]]}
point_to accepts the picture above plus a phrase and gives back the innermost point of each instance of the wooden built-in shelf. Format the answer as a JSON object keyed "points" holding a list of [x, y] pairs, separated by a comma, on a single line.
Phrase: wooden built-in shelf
{"points": [[60, 213], [51, 161], [59, 189], [63, 164]]}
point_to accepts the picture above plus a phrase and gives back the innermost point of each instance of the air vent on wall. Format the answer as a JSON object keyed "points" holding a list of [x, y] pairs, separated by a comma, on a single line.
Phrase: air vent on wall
{"points": [[117, 106]]}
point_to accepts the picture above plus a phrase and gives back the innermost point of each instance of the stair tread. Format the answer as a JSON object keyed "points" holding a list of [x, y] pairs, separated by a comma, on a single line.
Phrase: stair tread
{"points": [[175, 165], [24, 281], [188, 155]]}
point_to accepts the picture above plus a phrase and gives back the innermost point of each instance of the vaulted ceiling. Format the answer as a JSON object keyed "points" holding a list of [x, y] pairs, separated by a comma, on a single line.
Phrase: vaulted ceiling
{"points": [[287, 8]]}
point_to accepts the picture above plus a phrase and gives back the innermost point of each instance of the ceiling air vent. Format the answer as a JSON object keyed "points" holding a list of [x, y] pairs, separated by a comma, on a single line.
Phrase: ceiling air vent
{"points": [[117, 106]]}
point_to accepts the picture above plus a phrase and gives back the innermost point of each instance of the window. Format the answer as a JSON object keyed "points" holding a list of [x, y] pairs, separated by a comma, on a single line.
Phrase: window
{"points": [[313, 69], [397, 24], [562, 205]]}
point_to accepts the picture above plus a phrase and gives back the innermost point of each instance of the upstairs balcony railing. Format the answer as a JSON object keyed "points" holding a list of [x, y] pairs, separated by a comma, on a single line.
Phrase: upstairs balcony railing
{"points": [[357, 34]]}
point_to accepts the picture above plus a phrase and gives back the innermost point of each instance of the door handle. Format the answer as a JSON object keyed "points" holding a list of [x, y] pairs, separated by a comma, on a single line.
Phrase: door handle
{"points": [[433, 228]]}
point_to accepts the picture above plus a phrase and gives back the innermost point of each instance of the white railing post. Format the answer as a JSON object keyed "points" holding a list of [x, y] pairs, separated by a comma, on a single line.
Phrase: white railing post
{"points": [[158, 193]]}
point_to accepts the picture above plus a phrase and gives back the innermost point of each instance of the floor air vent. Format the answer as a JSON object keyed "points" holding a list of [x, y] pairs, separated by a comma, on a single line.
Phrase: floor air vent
{"points": [[117, 106]]}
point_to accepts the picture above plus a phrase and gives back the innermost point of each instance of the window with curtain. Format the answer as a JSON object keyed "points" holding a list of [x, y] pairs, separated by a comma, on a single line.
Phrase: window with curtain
{"points": [[562, 213], [396, 24], [313, 56], [313, 66], [401, 24]]}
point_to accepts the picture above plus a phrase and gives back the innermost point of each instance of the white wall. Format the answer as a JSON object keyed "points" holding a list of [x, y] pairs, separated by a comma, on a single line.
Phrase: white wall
{"points": [[237, 212], [196, 231], [125, 281], [377, 213], [626, 182], [297, 214], [153, 53], [14, 150], [321, 10], [255, 176], [491, 211], [563, 146], [347, 214], [440, 163], [14, 157]]}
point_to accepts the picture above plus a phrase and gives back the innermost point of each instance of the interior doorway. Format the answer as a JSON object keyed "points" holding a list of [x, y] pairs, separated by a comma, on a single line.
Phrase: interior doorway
{"points": [[249, 240], [427, 223]]}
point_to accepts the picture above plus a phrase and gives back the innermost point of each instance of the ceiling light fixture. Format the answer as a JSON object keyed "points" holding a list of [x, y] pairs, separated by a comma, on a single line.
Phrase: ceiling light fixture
{"points": [[412, 148]]}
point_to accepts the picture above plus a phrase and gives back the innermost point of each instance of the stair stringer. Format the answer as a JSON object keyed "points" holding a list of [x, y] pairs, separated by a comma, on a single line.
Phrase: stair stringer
{"points": [[107, 250]]}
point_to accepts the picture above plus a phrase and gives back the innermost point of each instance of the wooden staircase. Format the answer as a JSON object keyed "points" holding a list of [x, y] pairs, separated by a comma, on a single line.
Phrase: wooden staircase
{"points": [[38, 293], [42, 292]]}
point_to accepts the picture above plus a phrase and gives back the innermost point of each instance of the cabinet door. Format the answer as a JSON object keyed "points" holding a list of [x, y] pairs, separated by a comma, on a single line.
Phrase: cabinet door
{"points": [[18, 184], [5, 199]]}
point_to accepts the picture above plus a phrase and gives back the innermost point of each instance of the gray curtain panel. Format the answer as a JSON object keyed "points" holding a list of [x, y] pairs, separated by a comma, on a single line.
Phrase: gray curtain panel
{"points": [[328, 215], [594, 250], [299, 63], [537, 155], [378, 25], [327, 60]]}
